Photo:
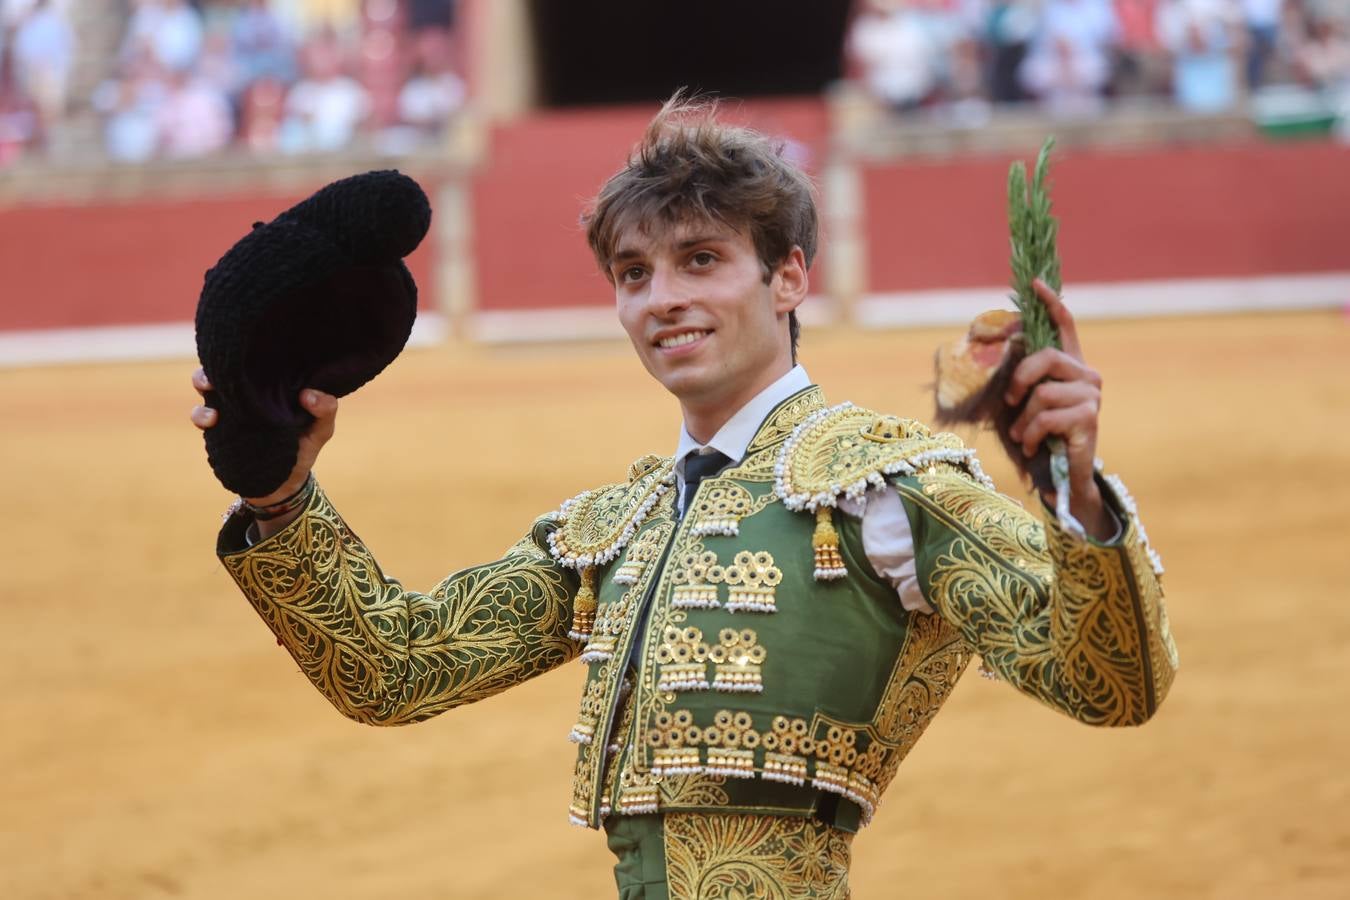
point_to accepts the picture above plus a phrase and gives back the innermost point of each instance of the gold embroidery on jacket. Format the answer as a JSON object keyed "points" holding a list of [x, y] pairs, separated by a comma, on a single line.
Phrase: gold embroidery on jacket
{"points": [[644, 551], [592, 706], [843, 451], [384, 655], [583, 788], [843, 758], [696, 575], [613, 617], [595, 525], [611, 690], [716, 856], [647, 792], [783, 420], [719, 509], [736, 661], [751, 581], [683, 658], [1071, 640]]}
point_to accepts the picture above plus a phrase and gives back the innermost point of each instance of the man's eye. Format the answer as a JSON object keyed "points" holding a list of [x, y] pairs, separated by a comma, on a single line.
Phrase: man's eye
{"points": [[631, 274], [704, 258]]}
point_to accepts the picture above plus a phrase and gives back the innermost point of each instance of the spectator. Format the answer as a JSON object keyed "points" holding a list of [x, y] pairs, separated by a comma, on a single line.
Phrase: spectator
{"points": [[959, 25], [262, 45], [900, 58], [1142, 66], [218, 65], [262, 110], [1009, 29], [304, 17], [383, 61], [20, 126], [218, 16], [1199, 34], [1262, 19], [325, 109], [434, 93], [1323, 55], [1068, 66], [131, 105], [12, 12], [170, 29], [44, 53], [435, 14], [194, 119]]}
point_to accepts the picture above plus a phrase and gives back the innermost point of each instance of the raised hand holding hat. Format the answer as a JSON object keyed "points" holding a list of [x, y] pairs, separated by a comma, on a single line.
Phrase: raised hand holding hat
{"points": [[318, 298]]}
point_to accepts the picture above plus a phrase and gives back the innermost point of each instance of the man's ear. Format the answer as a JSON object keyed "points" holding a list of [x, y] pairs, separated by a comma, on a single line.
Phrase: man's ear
{"points": [[790, 282]]}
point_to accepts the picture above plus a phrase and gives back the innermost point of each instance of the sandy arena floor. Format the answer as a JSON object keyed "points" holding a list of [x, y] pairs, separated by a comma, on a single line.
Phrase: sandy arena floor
{"points": [[157, 742]]}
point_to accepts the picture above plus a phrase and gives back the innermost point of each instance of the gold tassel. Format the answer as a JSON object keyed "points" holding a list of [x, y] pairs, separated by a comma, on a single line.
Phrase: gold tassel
{"points": [[825, 541], [584, 607]]}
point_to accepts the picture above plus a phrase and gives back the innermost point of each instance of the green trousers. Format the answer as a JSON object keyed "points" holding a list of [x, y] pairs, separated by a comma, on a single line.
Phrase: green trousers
{"points": [[639, 844], [721, 856]]}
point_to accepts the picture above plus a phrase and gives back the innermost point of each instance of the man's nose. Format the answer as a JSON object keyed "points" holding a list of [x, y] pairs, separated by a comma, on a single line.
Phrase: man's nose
{"points": [[667, 293]]}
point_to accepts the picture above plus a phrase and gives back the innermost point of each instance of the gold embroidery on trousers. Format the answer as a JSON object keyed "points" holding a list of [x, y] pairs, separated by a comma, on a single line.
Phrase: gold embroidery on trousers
{"points": [[732, 856]]}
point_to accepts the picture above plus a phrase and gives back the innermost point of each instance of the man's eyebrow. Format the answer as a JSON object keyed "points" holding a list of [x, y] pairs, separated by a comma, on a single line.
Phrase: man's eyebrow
{"points": [[707, 237], [623, 254]]}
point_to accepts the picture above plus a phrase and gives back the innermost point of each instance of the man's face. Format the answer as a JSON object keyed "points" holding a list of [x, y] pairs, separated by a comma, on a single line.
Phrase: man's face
{"points": [[704, 322]]}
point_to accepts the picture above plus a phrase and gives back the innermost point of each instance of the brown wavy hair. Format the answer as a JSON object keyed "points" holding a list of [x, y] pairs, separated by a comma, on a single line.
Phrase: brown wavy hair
{"points": [[688, 166]]}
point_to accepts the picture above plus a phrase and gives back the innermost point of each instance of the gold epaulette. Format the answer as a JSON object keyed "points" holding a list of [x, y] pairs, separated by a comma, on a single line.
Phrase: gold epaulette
{"points": [[594, 526], [844, 450]]}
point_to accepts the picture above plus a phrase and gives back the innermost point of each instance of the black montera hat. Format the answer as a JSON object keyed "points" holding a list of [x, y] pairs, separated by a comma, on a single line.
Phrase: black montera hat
{"points": [[319, 297]]}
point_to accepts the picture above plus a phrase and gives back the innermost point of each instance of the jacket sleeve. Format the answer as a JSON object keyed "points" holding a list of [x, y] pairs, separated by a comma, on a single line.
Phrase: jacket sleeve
{"points": [[1076, 623], [384, 655]]}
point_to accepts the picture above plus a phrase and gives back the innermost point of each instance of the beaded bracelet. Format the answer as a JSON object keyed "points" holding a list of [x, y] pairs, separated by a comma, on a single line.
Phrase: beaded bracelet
{"points": [[282, 507]]}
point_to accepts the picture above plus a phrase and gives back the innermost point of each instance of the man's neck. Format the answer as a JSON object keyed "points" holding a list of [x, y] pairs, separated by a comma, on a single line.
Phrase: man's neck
{"points": [[704, 420]]}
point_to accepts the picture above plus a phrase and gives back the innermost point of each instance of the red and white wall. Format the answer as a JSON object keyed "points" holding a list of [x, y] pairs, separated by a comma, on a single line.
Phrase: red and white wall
{"points": [[1144, 230]]}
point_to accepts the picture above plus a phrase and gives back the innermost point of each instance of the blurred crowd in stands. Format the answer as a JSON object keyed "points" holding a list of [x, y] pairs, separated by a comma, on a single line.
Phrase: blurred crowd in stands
{"points": [[1075, 56], [190, 79]]}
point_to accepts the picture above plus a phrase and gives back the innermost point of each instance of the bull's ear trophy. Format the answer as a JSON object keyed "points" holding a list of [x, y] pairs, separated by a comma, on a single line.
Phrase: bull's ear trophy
{"points": [[973, 372]]}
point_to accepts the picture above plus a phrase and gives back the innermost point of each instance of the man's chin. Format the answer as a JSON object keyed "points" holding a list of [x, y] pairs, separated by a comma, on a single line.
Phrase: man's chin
{"points": [[686, 381]]}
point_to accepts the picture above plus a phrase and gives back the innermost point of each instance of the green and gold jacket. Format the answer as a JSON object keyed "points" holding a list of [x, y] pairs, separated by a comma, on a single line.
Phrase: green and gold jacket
{"points": [[777, 672]]}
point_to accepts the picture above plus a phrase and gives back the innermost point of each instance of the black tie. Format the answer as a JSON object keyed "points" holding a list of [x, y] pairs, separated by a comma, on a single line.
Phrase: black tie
{"points": [[699, 465]]}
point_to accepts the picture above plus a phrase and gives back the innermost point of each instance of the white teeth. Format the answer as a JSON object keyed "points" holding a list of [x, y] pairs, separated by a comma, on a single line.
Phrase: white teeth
{"points": [[680, 340]]}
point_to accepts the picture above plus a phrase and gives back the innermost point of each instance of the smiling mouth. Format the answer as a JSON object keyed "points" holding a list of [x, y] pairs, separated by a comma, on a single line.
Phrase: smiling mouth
{"points": [[680, 340]]}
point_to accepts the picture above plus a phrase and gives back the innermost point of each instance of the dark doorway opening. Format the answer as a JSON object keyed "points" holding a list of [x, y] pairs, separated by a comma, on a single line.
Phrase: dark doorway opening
{"points": [[625, 51]]}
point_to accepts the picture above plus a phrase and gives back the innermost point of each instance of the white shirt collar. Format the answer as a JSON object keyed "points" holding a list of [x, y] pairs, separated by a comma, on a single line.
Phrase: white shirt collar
{"points": [[735, 436]]}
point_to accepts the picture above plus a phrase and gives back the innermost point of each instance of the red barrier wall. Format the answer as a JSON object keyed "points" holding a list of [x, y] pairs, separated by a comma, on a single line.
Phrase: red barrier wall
{"points": [[1166, 212], [141, 262]]}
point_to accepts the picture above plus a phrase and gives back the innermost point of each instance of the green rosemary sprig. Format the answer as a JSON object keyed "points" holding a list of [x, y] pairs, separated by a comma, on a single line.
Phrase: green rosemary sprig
{"points": [[1032, 234]]}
